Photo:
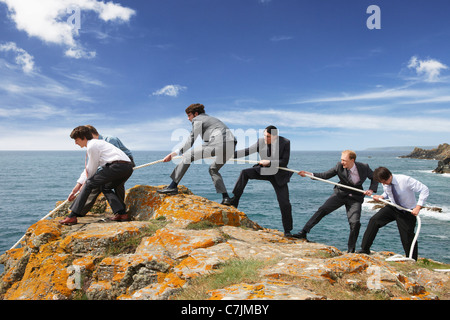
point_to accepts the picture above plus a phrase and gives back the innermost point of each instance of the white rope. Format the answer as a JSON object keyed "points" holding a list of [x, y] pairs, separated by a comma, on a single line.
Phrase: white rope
{"points": [[43, 218], [282, 168], [419, 222], [66, 201], [154, 162]]}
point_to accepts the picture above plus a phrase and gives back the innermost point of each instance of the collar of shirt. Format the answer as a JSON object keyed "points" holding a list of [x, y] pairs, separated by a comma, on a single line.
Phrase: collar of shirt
{"points": [[354, 174]]}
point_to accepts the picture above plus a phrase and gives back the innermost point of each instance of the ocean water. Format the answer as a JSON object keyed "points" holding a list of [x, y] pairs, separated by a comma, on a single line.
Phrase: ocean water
{"points": [[31, 182]]}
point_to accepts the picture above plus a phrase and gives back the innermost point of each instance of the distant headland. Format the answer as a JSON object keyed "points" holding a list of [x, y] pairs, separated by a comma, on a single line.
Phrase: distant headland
{"points": [[441, 153]]}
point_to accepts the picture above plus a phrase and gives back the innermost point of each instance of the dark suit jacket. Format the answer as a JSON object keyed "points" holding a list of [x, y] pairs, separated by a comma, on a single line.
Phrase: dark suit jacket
{"points": [[364, 173], [278, 157]]}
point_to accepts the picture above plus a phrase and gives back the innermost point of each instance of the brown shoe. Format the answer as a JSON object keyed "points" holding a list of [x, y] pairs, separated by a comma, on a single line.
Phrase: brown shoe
{"points": [[69, 221], [120, 217]]}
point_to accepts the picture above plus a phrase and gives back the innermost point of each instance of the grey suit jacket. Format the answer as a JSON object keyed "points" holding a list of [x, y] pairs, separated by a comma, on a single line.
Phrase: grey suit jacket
{"points": [[364, 172], [211, 130]]}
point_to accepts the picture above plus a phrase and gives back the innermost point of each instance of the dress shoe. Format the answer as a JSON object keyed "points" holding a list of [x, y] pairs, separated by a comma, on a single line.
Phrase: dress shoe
{"points": [[288, 234], [120, 217], [226, 201], [69, 221], [234, 202], [300, 235], [168, 190], [363, 251]]}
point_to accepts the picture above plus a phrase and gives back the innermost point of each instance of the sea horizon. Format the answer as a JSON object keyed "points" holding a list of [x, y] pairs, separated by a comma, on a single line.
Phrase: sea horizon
{"points": [[33, 181]]}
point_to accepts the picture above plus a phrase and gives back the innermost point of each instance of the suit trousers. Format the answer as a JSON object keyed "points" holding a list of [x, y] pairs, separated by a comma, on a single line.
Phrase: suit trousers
{"points": [[282, 193], [406, 223], [119, 190], [106, 180], [222, 153], [334, 202]]}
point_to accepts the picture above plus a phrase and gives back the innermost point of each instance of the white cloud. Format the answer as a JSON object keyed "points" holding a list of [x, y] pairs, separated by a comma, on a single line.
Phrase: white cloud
{"points": [[78, 53], [47, 20], [171, 90], [37, 112], [162, 134], [394, 93], [429, 70], [281, 38], [23, 58], [355, 121]]}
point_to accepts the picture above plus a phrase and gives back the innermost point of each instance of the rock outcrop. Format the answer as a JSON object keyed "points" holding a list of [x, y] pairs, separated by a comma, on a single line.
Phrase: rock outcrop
{"points": [[175, 240], [440, 153], [443, 166]]}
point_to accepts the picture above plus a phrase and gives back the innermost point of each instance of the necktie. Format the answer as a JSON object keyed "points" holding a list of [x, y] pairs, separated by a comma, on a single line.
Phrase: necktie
{"points": [[395, 195], [354, 178]]}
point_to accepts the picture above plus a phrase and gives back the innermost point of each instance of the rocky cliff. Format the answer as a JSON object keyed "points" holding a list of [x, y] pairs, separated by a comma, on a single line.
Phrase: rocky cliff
{"points": [[174, 243], [443, 166], [440, 153]]}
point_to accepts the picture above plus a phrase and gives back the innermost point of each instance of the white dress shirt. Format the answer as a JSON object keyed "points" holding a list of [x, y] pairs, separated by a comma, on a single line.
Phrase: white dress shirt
{"points": [[406, 187], [100, 153]]}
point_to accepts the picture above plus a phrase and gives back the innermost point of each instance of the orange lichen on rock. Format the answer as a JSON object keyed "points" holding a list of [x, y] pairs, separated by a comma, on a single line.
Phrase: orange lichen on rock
{"points": [[150, 259]]}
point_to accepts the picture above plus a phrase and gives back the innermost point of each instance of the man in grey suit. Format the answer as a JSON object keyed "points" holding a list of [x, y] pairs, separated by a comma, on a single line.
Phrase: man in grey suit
{"points": [[274, 152], [219, 142], [350, 173]]}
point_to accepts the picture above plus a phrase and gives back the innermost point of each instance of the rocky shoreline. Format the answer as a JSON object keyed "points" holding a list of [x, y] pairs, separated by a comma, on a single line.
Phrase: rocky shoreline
{"points": [[174, 242], [441, 153]]}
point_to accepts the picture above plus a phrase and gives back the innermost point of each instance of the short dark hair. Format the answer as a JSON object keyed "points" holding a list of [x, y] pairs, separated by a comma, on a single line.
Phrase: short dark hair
{"points": [[81, 132], [92, 129], [381, 174], [272, 130], [196, 107]]}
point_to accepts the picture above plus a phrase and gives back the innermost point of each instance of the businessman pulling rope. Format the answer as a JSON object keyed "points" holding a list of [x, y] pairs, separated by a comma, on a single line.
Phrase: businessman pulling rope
{"points": [[377, 198], [395, 258]]}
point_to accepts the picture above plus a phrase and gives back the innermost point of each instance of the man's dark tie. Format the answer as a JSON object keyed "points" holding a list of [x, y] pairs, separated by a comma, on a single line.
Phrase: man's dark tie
{"points": [[395, 194]]}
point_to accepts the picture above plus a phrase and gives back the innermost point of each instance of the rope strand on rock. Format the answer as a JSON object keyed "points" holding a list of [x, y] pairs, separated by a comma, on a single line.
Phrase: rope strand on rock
{"points": [[394, 258], [419, 221]]}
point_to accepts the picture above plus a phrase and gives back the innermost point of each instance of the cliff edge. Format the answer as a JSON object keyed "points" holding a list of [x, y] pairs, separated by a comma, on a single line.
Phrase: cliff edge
{"points": [[175, 243], [442, 152]]}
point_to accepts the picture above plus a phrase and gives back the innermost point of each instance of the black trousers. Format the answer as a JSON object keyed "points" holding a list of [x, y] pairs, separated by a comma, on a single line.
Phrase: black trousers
{"points": [[334, 202], [106, 180], [119, 190], [406, 223], [282, 193]]}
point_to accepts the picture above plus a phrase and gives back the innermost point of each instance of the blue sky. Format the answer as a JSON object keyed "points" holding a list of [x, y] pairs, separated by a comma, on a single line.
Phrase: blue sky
{"points": [[312, 68]]}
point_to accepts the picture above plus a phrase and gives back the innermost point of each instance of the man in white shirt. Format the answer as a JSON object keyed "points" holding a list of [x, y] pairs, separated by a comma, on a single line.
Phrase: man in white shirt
{"points": [[120, 189], [116, 169], [399, 189]]}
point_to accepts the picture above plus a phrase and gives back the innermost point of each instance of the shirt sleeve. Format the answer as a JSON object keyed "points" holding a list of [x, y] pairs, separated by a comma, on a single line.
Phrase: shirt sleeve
{"points": [[196, 131], [248, 151], [82, 179], [420, 188]]}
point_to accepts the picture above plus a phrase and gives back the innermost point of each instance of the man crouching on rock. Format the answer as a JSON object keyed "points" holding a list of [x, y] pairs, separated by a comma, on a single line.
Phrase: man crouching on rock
{"points": [[107, 168]]}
